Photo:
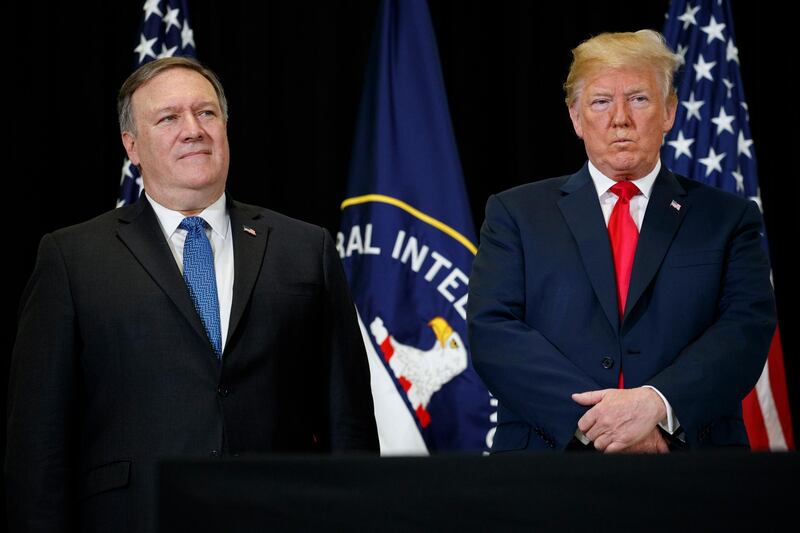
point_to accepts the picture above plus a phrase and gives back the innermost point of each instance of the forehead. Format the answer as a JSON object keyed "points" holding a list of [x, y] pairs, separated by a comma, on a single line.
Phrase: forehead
{"points": [[174, 87], [621, 80]]}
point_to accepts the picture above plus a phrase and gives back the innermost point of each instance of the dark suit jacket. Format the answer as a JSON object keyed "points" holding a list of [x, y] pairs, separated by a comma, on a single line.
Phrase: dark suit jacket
{"points": [[543, 319], [112, 369]]}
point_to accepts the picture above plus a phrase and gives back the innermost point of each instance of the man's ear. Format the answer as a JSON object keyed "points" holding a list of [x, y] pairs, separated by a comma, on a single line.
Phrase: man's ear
{"points": [[129, 142], [669, 116], [574, 115]]}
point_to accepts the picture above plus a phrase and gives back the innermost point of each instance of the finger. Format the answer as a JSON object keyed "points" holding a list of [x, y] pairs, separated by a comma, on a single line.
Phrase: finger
{"points": [[617, 447], [587, 421], [614, 447], [601, 443], [589, 397], [596, 431], [663, 447]]}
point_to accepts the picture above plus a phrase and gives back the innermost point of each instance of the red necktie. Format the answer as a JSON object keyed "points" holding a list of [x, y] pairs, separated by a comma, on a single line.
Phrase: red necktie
{"points": [[624, 235]]}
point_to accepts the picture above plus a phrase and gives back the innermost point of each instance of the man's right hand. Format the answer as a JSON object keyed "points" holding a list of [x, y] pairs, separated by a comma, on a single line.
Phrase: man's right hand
{"points": [[652, 443]]}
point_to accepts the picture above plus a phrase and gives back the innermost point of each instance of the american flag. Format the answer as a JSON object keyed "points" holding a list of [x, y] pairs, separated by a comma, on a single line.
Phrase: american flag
{"points": [[711, 143], [165, 33]]}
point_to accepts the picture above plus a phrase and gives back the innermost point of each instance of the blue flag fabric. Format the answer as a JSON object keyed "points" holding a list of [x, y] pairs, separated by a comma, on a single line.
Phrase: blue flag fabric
{"points": [[407, 243], [710, 142], [165, 33]]}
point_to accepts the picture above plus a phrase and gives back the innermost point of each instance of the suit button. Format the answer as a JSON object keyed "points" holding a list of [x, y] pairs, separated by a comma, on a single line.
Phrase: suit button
{"points": [[607, 362], [222, 391]]}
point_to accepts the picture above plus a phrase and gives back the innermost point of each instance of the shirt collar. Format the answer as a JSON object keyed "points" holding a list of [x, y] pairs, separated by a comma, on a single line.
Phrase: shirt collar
{"points": [[603, 183], [215, 215]]}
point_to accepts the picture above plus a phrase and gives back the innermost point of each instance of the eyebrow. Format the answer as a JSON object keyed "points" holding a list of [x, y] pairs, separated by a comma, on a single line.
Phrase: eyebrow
{"points": [[172, 108], [606, 92], [636, 90]]}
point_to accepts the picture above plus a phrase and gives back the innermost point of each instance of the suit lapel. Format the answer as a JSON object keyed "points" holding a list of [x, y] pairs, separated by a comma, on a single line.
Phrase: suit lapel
{"points": [[140, 231], [665, 211], [581, 210], [250, 236]]}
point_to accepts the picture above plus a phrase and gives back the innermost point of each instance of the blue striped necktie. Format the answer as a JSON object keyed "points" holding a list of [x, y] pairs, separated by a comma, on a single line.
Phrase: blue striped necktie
{"points": [[198, 271]]}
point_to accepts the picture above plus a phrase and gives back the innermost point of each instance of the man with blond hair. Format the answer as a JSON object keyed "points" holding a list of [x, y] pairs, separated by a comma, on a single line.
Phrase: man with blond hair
{"points": [[622, 308], [184, 325]]}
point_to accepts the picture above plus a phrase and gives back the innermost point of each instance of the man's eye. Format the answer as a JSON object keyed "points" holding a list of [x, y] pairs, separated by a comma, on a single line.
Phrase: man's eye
{"points": [[207, 113], [166, 119], [639, 99], [600, 103]]}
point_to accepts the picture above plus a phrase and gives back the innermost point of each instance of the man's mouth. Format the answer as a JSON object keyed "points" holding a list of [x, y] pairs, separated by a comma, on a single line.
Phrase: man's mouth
{"points": [[195, 153], [622, 143]]}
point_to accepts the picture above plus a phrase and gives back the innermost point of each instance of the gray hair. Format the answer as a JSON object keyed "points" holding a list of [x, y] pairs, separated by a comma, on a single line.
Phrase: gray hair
{"points": [[150, 70]]}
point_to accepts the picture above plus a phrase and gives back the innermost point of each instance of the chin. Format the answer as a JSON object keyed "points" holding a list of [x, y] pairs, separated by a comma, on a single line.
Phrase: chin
{"points": [[624, 164], [201, 180]]}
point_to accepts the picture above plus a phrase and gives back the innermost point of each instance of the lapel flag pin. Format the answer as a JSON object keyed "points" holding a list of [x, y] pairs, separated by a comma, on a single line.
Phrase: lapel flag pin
{"points": [[248, 229], [675, 205]]}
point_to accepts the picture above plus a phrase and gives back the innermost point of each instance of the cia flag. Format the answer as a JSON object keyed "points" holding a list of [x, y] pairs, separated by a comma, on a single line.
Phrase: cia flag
{"points": [[711, 142], [407, 244], [165, 33]]}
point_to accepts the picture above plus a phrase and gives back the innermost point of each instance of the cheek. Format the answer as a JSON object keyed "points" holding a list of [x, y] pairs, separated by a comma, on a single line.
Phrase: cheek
{"points": [[596, 125], [222, 149], [656, 123], [597, 137], [654, 136], [153, 146]]}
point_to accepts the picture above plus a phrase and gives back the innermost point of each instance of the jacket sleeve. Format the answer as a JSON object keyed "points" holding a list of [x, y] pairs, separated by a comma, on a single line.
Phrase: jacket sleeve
{"points": [[41, 456], [712, 375], [351, 416], [525, 371]]}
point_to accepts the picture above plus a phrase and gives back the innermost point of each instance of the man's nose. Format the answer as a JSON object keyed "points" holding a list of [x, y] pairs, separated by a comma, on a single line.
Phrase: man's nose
{"points": [[192, 131], [621, 116]]}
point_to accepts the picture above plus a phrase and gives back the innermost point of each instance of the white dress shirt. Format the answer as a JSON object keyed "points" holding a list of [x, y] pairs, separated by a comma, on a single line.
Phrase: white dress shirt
{"points": [[221, 238], [638, 207], [608, 199]]}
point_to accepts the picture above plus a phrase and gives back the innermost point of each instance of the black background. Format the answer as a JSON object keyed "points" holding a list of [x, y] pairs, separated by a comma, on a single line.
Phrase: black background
{"points": [[293, 73]]}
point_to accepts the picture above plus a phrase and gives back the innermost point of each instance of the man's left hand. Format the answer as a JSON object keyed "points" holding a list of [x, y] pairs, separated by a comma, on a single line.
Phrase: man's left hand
{"points": [[620, 418]]}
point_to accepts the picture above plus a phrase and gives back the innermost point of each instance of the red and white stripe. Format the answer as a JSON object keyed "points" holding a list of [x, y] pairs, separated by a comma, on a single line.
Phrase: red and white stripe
{"points": [[766, 409]]}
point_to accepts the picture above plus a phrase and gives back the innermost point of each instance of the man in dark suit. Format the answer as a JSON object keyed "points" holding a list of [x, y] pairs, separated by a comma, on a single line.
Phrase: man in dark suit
{"points": [[623, 307], [187, 324]]}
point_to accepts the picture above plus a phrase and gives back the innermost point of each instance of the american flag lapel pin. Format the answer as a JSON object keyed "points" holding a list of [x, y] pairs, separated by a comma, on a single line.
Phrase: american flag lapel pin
{"points": [[675, 205], [249, 230]]}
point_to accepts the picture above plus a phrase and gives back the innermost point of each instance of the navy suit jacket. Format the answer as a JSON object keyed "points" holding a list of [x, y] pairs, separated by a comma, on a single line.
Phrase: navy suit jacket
{"points": [[543, 320], [112, 369]]}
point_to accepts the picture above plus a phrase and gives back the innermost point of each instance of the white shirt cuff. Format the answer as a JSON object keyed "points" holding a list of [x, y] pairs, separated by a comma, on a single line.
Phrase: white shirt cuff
{"points": [[670, 423]]}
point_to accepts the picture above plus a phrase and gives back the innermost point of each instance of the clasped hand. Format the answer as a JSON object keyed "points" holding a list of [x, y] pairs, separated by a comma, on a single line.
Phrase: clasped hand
{"points": [[623, 420]]}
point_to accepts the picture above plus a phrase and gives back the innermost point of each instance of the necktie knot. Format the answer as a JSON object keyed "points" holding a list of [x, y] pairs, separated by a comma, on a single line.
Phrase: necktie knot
{"points": [[193, 223], [625, 190]]}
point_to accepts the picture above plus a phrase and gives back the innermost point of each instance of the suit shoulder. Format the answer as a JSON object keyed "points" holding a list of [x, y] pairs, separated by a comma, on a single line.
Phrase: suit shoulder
{"points": [[279, 221], [538, 192], [534, 188], [713, 197], [100, 225]]}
